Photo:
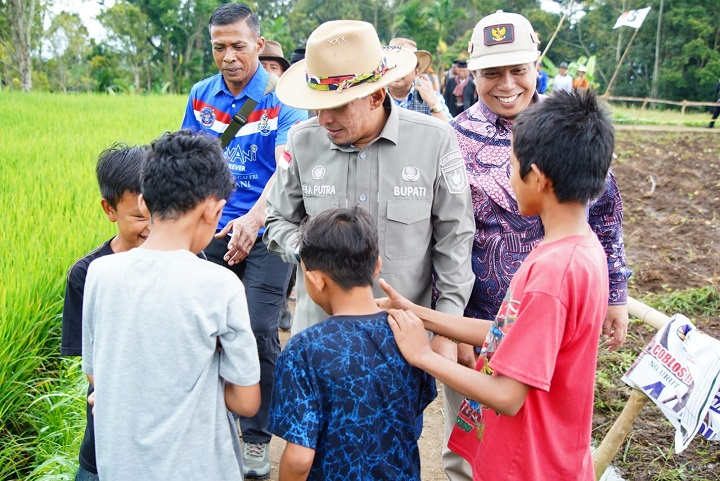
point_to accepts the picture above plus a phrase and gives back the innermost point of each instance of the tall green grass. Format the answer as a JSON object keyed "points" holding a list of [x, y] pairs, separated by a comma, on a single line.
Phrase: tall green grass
{"points": [[670, 115], [50, 216]]}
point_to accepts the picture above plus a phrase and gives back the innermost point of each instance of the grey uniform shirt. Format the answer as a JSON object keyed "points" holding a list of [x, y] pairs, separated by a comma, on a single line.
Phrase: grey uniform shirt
{"points": [[411, 179]]}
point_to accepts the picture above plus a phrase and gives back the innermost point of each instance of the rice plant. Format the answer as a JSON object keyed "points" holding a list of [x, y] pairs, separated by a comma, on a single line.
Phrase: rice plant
{"points": [[50, 216]]}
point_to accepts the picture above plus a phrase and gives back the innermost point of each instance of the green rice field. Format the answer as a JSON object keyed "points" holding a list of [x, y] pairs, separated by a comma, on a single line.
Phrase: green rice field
{"points": [[49, 216]]}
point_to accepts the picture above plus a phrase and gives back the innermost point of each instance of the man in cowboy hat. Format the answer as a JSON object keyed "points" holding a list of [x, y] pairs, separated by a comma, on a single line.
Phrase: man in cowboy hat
{"points": [[213, 106], [503, 56], [403, 167], [272, 58], [415, 91]]}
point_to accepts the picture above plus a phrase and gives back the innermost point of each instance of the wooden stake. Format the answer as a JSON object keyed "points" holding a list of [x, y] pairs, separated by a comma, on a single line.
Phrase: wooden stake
{"points": [[617, 69], [604, 454]]}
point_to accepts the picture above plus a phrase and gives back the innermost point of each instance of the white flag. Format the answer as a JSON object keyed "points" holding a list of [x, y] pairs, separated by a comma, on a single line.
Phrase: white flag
{"points": [[632, 18]]}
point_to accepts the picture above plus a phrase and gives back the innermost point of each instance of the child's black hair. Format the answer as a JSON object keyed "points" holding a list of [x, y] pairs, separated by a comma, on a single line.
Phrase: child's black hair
{"points": [[181, 171], [342, 243], [570, 138], [118, 171], [230, 13]]}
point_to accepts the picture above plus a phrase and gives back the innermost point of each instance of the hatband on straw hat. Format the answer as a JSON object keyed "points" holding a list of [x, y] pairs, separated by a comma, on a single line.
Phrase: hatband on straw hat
{"points": [[424, 58], [273, 51], [343, 61]]}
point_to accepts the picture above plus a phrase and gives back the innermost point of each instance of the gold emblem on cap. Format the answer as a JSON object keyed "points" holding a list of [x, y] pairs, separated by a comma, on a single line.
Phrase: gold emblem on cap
{"points": [[498, 33]]}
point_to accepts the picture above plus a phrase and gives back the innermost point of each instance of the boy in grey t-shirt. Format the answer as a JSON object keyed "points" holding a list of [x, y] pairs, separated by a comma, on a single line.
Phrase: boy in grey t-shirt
{"points": [[166, 335]]}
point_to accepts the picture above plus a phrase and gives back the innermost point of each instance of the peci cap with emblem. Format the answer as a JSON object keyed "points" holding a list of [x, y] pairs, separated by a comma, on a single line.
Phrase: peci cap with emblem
{"points": [[502, 39], [343, 61]]}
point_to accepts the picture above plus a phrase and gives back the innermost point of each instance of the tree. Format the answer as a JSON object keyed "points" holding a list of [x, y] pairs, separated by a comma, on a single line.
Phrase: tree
{"points": [[21, 14], [128, 29], [70, 47]]}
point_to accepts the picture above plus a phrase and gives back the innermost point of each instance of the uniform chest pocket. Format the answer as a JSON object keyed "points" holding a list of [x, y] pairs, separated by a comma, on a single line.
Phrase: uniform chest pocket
{"points": [[315, 205], [408, 231]]}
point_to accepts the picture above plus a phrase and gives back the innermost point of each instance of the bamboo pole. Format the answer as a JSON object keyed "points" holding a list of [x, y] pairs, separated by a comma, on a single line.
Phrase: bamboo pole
{"points": [[610, 445], [617, 69], [557, 29]]}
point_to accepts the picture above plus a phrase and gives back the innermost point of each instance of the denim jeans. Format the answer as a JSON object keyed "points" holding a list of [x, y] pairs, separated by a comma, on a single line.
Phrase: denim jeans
{"points": [[85, 475]]}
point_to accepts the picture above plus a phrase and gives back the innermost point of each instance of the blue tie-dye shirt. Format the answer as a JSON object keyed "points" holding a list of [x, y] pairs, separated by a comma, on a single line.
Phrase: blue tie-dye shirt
{"points": [[343, 389]]}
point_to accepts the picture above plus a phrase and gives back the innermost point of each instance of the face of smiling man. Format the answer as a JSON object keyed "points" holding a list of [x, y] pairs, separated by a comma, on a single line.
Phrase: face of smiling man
{"points": [[507, 91]]}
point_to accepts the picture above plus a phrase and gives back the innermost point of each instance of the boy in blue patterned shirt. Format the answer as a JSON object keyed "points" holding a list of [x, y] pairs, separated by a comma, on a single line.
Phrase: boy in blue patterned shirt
{"points": [[344, 398]]}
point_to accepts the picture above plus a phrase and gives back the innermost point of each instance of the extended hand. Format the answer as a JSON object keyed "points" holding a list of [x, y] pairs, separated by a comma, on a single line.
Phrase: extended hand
{"points": [[244, 234], [615, 327], [410, 335], [394, 299]]}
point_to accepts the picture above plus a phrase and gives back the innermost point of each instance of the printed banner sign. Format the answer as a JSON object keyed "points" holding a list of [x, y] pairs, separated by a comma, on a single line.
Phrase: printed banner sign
{"points": [[680, 371]]}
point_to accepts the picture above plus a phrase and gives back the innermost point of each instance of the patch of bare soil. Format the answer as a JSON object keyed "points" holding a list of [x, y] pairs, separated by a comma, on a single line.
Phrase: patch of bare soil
{"points": [[670, 183]]}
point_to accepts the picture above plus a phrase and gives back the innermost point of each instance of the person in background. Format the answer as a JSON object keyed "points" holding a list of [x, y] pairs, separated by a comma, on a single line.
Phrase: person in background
{"points": [[118, 176], [716, 109], [581, 82], [459, 89], [415, 91], [252, 154], [542, 80], [505, 76], [562, 81], [272, 58]]}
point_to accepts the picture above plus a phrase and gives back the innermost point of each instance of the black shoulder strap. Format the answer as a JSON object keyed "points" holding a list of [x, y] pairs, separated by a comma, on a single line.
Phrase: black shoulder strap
{"points": [[240, 118]]}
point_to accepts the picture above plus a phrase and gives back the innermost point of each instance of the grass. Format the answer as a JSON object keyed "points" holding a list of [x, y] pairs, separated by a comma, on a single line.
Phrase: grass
{"points": [[50, 216], [670, 115]]}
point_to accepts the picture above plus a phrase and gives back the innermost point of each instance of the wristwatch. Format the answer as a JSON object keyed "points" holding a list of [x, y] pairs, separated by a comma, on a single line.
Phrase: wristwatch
{"points": [[436, 108]]}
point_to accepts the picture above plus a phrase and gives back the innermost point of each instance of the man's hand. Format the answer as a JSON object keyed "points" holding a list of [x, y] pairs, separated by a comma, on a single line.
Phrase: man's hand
{"points": [[394, 299], [615, 327], [466, 355], [410, 335], [91, 401], [244, 234], [445, 347], [425, 89]]}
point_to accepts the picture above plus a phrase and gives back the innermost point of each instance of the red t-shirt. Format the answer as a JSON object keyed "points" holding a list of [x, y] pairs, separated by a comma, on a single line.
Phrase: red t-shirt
{"points": [[546, 336]]}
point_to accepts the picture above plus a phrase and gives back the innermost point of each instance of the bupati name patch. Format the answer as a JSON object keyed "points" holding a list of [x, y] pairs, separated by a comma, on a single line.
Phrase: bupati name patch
{"points": [[404, 191]]}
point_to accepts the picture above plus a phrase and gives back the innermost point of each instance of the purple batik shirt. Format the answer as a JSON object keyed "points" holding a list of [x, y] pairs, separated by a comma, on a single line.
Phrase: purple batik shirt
{"points": [[504, 237]]}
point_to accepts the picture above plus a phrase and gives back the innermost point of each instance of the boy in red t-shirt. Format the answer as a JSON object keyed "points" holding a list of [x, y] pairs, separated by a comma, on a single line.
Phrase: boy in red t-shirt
{"points": [[529, 406]]}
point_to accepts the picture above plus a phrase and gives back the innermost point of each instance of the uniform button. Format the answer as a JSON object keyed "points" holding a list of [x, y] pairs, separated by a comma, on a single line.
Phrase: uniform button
{"points": [[362, 197], [363, 155], [233, 105]]}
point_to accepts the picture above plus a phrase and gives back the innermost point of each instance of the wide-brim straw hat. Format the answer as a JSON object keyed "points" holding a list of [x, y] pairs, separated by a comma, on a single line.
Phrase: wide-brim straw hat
{"points": [[424, 58], [344, 61], [273, 51]]}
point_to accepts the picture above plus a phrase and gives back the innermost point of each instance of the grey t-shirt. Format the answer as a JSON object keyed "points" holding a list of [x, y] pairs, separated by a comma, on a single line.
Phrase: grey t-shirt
{"points": [[152, 323]]}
